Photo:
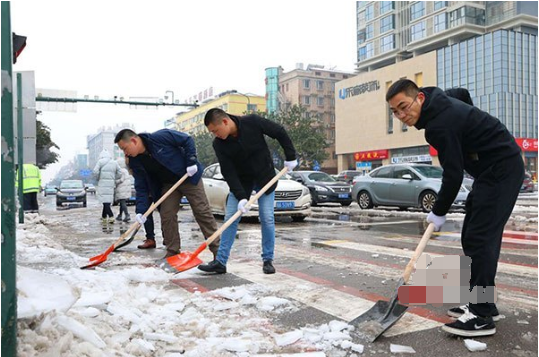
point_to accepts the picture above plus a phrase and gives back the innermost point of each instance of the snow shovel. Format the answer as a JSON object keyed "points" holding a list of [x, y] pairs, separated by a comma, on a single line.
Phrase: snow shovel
{"points": [[98, 259], [383, 314], [185, 261]]}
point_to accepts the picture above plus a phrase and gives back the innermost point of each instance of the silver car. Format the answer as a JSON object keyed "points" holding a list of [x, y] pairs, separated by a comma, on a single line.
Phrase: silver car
{"points": [[403, 186], [291, 198]]}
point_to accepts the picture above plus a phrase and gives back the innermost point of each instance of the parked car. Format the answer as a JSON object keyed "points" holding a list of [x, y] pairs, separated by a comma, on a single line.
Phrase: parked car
{"points": [[90, 188], [291, 198], [348, 175], [71, 191], [324, 188], [528, 184], [403, 186], [49, 190]]}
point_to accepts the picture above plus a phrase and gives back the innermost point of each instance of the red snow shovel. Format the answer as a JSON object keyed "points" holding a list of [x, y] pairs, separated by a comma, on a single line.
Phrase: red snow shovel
{"points": [[383, 314], [98, 259], [185, 261]]}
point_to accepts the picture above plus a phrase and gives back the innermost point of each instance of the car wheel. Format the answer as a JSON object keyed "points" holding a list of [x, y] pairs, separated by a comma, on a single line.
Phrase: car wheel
{"points": [[346, 204], [427, 200], [364, 200], [298, 218], [58, 204]]}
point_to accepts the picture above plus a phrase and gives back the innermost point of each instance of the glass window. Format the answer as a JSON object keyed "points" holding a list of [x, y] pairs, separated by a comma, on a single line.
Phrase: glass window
{"points": [[369, 12], [306, 83], [387, 43], [369, 31], [320, 101], [386, 6], [440, 22], [417, 10], [383, 172], [398, 172], [439, 4], [361, 36], [386, 24], [418, 31], [306, 100], [430, 171], [320, 85]]}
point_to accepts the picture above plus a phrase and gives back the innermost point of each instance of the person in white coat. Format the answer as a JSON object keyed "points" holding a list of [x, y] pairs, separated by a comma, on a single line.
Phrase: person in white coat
{"points": [[106, 171], [123, 191]]}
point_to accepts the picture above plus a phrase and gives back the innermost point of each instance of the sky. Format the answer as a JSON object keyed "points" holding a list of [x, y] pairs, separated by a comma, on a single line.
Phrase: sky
{"points": [[141, 50]]}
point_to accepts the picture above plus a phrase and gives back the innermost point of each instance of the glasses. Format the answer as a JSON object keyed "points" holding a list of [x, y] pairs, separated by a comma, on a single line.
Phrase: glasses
{"points": [[400, 112]]}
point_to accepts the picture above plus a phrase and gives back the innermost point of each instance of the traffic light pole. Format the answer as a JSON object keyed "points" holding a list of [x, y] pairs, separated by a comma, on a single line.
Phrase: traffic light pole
{"points": [[113, 101]]}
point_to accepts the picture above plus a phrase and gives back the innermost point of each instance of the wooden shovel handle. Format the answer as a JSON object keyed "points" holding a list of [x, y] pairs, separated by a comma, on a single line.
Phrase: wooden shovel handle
{"points": [[251, 201], [418, 251], [151, 209]]}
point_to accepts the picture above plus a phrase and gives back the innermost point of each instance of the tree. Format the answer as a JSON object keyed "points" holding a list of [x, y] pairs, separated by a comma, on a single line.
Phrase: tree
{"points": [[205, 152], [44, 144], [306, 134]]}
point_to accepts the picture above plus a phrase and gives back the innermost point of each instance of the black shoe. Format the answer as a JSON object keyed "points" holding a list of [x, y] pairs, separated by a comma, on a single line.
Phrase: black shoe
{"points": [[268, 267], [119, 218], [127, 219], [461, 310], [213, 267], [470, 325]]}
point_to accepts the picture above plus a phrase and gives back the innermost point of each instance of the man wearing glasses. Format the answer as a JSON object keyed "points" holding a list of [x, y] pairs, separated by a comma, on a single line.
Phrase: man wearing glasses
{"points": [[470, 139]]}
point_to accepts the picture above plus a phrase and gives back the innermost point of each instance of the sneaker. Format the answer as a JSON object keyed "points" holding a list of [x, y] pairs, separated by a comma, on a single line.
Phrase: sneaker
{"points": [[104, 220], [268, 267], [470, 325], [119, 218], [147, 244], [461, 310], [111, 220], [213, 267], [127, 219]]}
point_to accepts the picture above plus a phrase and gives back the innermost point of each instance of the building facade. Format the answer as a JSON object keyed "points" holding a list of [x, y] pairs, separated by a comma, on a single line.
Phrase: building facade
{"points": [[232, 102], [314, 89], [104, 140]]}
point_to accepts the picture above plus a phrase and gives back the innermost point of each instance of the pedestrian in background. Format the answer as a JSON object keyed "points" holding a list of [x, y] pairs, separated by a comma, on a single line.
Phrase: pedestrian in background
{"points": [[123, 191], [106, 172], [470, 139], [31, 186]]}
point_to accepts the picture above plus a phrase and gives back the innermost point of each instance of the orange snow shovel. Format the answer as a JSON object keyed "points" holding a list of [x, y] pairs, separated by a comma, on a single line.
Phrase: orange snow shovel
{"points": [[383, 314], [185, 261], [98, 259]]}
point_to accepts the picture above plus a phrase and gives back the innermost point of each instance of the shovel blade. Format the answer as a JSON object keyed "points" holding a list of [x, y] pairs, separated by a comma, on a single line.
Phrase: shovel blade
{"points": [[95, 261], [128, 241], [182, 262], [378, 319]]}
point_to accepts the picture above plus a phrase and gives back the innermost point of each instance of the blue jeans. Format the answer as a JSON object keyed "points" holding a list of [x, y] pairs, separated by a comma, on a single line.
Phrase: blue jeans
{"points": [[267, 221]]}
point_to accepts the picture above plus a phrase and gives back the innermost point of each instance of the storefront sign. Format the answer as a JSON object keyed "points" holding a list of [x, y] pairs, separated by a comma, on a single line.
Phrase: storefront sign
{"points": [[408, 159], [371, 155], [527, 144], [359, 89], [361, 166]]}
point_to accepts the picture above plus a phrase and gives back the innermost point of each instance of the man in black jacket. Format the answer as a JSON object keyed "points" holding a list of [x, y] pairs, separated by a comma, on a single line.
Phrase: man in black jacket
{"points": [[470, 139], [247, 165]]}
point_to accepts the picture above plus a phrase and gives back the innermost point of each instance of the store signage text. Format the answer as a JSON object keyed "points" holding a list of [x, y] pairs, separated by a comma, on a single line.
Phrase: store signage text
{"points": [[359, 89], [408, 159], [527, 144], [371, 155]]}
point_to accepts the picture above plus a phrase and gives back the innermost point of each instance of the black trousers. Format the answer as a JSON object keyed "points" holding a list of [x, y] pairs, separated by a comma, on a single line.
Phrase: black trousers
{"points": [[488, 208], [30, 202], [107, 211]]}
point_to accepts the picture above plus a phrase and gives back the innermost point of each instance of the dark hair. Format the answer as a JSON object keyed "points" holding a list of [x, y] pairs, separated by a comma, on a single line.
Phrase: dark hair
{"points": [[402, 85], [214, 115], [125, 135]]}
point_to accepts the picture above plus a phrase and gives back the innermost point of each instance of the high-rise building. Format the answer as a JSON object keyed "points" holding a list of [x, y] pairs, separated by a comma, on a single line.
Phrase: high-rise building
{"points": [[312, 88], [104, 140]]}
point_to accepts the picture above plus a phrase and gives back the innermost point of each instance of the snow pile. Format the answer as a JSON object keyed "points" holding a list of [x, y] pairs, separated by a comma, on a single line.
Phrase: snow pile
{"points": [[473, 345], [132, 311]]}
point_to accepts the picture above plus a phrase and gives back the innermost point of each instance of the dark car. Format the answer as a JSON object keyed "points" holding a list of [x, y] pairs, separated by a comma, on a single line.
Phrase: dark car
{"points": [[71, 191], [323, 188], [527, 184], [348, 176]]}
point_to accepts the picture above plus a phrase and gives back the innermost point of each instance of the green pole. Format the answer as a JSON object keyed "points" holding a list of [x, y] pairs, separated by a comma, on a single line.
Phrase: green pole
{"points": [[9, 292], [20, 144]]}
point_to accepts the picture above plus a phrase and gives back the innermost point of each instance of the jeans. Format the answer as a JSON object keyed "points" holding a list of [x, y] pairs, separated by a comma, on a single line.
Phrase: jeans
{"points": [[123, 208], [149, 227], [267, 221]]}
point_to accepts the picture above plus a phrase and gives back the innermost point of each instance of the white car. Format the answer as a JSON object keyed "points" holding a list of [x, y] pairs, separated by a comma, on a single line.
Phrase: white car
{"points": [[291, 198]]}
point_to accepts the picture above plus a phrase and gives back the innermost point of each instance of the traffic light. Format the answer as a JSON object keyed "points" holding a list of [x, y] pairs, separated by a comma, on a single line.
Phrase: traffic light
{"points": [[19, 43]]}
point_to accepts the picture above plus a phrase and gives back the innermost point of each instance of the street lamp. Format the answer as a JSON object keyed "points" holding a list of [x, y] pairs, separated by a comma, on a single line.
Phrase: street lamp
{"points": [[248, 100], [166, 96]]}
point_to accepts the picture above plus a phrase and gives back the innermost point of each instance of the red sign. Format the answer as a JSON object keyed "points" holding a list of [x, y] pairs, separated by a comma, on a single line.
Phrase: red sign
{"points": [[527, 144], [433, 151], [371, 155]]}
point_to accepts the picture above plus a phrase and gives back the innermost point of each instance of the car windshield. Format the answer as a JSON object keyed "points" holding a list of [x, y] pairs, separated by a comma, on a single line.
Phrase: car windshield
{"points": [[430, 171], [71, 184], [320, 177]]}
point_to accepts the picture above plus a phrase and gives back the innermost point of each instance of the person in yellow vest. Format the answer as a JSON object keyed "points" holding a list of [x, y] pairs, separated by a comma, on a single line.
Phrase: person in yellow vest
{"points": [[31, 185]]}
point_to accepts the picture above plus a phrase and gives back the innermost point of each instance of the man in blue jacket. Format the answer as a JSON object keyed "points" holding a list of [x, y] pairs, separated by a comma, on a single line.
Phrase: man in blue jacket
{"points": [[470, 139], [158, 161]]}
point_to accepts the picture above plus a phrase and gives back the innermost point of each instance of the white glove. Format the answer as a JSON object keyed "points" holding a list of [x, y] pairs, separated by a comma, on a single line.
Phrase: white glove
{"points": [[291, 164], [140, 218], [437, 220], [243, 206], [191, 170]]}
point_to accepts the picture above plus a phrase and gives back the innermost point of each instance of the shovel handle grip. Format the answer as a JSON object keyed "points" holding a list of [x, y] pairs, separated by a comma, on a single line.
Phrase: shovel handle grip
{"points": [[251, 201], [152, 208], [418, 251]]}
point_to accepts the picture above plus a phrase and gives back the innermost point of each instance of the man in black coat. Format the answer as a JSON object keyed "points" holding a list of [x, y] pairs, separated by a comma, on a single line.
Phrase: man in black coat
{"points": [[246, 165], [470, 139]]}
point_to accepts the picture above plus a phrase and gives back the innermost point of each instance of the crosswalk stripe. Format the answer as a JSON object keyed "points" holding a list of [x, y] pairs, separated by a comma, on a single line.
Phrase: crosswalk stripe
{"points": [[502, 267], [331, 301]]}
